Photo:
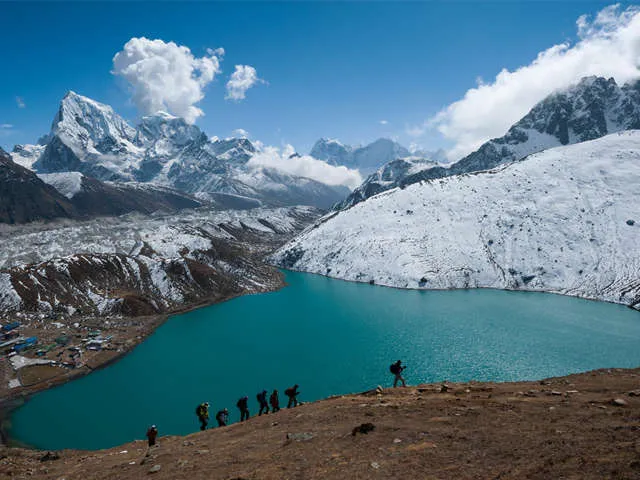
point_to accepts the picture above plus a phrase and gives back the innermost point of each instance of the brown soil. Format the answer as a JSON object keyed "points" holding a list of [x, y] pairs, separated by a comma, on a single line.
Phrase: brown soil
{"points": [[559, 428]]}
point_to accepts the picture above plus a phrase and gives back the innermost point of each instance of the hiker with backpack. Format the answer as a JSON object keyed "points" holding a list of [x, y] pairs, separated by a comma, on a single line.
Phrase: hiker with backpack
{"points": [[262, 401], [292, 393], [152, 433], [275, 401], [397, 368], [222, 417], [202, 412], [243, 406]]}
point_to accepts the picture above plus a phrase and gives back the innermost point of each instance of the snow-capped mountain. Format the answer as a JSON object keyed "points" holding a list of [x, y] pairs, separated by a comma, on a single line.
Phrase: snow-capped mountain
{"points": [[26, 198], [367, 159], [90, 138], [564, 220], [591, 109], [386, 177]]}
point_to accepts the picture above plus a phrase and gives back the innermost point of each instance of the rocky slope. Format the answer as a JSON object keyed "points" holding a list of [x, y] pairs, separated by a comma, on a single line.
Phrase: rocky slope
{"points": [[89, 137], [563, 220], [141, 266], [91, 197], [25, 198], [591, 109], [581, 426]]}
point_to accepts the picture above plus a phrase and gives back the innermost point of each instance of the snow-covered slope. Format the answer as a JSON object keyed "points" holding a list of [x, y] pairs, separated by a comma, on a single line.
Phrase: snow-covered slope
{"points": [[27, 155], [367, 159], [90, 138], [564, 220]]}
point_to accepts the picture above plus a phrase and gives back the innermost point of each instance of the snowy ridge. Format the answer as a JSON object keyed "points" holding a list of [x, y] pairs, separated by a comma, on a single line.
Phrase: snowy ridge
{"points": [[591, 109], [564, 220], [27, 155], [366, 159]]}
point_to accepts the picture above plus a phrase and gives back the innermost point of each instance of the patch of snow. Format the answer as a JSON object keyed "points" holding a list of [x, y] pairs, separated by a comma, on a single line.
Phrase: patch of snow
{"points": [[18, 361], [9, 298], [67, 183], [14, 383]]}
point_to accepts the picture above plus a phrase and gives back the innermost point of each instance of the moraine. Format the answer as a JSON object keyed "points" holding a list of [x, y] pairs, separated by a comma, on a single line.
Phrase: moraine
{"points": [[331, 337]]}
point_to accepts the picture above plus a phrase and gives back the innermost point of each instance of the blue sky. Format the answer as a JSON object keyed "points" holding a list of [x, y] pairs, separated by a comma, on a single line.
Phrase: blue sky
{"points": [[332, 69]]}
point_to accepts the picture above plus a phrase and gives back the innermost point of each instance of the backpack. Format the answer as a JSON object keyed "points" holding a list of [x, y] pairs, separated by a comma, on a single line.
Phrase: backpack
{"points": [[395, 368], [200, 410], [289, 392]]}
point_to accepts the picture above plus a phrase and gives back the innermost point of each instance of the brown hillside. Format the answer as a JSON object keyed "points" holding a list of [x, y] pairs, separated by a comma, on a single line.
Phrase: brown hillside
{"points": [[581, 426]]}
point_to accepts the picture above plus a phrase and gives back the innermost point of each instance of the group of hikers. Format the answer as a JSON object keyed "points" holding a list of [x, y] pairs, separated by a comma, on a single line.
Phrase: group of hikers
{"points": [[222, 416]]}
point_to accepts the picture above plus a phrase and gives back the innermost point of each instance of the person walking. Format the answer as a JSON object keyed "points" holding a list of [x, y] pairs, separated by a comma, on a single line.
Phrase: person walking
{"points": [[262, 400], [152, 433], [202, 412], [397, 368], [292, 393], [275, 401], [243, 406], [222, 417]]}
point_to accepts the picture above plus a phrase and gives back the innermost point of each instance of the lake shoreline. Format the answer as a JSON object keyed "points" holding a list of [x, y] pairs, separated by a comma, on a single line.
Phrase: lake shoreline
{"points": [[21, 395]]}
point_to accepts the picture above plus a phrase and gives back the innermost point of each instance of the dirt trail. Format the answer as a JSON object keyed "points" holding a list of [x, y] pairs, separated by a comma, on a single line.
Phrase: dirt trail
{"points": [[566, 427]]}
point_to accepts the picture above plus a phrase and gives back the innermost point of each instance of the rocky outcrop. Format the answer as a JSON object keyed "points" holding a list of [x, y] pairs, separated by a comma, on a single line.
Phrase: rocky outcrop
{"points": [[26, 198]]}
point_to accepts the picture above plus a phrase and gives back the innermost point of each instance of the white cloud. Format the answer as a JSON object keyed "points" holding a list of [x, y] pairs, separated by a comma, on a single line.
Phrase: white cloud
{"points": [[20, 102], [5, 126], [384, 122], [240, 132], [305, 166], [166, 76], [242, 79], [609, 46]]}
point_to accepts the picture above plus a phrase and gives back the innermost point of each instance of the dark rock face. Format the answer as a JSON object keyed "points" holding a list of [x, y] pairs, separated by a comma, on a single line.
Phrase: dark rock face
{"points": [[26, 198], [99, 198]]}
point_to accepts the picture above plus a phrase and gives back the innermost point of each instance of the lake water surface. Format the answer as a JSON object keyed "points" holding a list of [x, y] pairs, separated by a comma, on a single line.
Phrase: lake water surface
{"points": [[330, 337]]}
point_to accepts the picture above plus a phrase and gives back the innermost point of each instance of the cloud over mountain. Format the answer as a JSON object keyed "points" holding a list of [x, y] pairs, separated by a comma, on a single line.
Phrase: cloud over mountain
{"points": [[608, 45], [166, 76], [287, 160]]}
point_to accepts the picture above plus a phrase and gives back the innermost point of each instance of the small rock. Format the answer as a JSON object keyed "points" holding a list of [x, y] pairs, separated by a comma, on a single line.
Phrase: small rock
{"points": [[182, 463], [619, 402], [572, 391], [630, 222], [275, 424], [555, 392], [123, 451], [551, 409], [444, 388], [49, 456], [202, 452], [363, 428], [155, 469], [375, 465], [378, 389], [188, 443], [397, 440], [132, 463], [634, 393]]}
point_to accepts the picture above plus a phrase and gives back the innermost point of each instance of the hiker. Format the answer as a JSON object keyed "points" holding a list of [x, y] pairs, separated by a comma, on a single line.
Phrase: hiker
{"points": [[244, 408], [397, 368], [292, 393], [222, 417], [262, 400], [152, 433], [275, 401], [202, 411]]}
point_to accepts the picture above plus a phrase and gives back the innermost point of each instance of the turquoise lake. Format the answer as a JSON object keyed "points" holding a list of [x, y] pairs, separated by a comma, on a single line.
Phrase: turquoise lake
{"points": [[330, 337]]}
